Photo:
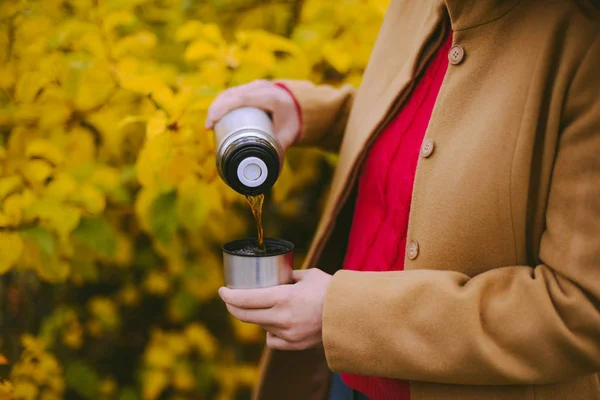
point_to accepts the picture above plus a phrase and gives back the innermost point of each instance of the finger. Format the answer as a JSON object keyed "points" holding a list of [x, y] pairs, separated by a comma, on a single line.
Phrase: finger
{"points": [[252, 298], [262, 98], [274, 330], [255, 94], [277, 343], [267, 317], [299, 274]]}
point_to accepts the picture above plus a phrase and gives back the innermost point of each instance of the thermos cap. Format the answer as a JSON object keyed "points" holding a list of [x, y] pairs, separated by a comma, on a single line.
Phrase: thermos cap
{"points": [[252, 171], [251, 166]]}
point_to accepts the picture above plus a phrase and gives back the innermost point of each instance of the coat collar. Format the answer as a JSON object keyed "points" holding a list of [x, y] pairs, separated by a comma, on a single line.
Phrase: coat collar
{"points": [[466, 14]]}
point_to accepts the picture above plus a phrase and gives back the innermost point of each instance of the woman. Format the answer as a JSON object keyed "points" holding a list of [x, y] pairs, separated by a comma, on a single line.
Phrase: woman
{"points": [[470, 169]]}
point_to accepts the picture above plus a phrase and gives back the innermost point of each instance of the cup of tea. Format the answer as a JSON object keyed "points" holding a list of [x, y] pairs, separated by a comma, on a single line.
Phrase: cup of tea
{"points": [[247, 267]]}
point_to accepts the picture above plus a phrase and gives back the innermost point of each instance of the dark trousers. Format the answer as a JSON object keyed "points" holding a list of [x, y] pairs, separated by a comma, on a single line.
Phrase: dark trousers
{"points": [[340, 391]]}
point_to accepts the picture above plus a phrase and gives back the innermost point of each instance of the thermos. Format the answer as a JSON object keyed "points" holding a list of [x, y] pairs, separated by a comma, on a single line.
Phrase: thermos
{"points": [[249, 270], [249, 158]]}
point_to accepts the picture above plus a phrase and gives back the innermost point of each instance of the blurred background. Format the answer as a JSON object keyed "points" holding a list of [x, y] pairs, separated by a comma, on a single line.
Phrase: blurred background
{"points": [[111, 210]]}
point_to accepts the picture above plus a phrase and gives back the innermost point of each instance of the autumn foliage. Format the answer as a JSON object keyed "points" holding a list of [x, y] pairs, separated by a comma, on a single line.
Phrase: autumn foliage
{"points": [[111, 210]]}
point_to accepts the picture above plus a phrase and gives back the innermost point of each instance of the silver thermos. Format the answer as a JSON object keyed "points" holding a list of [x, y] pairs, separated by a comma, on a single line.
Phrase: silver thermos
{"points": [[249, 158]]}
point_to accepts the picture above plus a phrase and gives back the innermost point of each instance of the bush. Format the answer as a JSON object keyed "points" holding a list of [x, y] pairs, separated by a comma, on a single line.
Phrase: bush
{"points": [[112, 213]]}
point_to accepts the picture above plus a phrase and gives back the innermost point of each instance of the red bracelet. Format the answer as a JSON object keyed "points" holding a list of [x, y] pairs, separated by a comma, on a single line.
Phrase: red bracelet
{"points": [[298, 109]]}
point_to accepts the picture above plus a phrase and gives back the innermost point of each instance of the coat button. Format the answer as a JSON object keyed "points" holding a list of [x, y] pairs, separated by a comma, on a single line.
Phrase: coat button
{"points": [[413, 249], [456, 54], [427, 148]]}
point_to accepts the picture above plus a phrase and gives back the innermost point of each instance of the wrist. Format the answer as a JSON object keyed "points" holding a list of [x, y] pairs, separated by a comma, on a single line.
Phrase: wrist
{"points": [[298, 110]]}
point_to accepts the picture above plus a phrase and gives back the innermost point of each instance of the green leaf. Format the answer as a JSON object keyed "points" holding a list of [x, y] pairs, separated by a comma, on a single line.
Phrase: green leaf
{"points": [[97, 235], [127, 174], [82, 379], [204, 376], [163, 218], [87, 270], [128, 393], [185, 303], [42, 237]]}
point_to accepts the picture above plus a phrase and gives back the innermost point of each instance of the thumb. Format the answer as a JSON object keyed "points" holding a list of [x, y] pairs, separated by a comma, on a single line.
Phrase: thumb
{"points": [[298, 274]]}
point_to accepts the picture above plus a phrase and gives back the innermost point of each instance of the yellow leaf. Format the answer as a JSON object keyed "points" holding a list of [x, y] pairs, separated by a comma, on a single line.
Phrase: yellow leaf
{"points": [[124, 253], [247, 333], [129, 295], [143, 205], [5, 221], [8, 185], [149, 84], [118, 18], [9, 9], [8, 75], [155, 154], [337, 56], [200, 338], [159, 357], [13, 207], [193, 205], [106, 178], [201, 49], [61, 217], [157, 283], [157, 124], [33, 344], [131, 119], [105, 310], [62, 187], [247, 375], [139, 43], [6, 390], [29, 85], [72, 336], [3, 360], [90, 199], [53, 270], [188, 31], [380, 6], [55, 113], [177, 169], [108, 387], [93, 87], [183, 379], [11, 246], [155, 381], [37, 171], [65, 220], [262, 39], [194, 29], [177, 343], [80, 147], [25, 390]]}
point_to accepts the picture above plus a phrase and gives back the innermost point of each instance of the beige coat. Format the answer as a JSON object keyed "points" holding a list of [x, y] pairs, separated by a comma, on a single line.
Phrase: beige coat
{"points": [[502, 297]]}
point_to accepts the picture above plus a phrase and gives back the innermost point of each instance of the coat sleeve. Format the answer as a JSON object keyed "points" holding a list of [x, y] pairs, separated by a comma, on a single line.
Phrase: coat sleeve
{"points": [[511, 325], [324, 112]]}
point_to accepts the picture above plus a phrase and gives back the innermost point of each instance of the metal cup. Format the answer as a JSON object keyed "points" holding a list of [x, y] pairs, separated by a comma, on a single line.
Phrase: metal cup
{"points": [[245, 271]]}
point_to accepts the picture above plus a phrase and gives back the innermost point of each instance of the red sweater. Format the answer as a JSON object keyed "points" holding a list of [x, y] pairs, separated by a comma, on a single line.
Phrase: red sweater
{"points": [[378, 235]]}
